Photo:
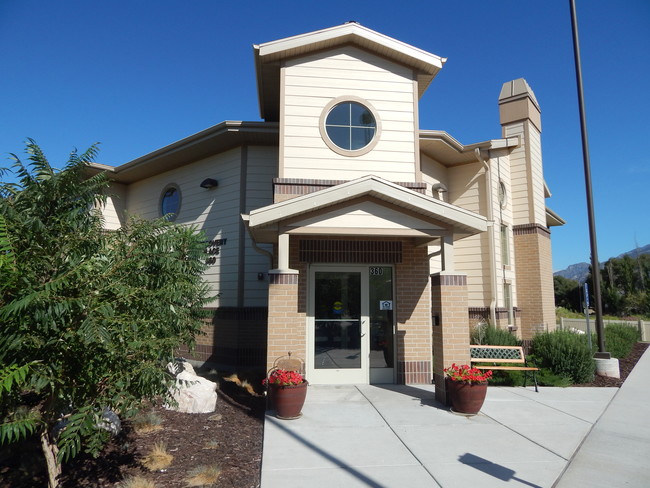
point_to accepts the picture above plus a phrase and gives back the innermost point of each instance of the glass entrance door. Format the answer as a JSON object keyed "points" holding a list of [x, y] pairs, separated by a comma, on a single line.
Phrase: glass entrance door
{"points": [[350, 325]]}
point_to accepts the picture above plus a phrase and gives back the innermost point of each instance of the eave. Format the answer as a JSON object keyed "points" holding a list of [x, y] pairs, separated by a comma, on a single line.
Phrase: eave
{"points": [[270, 56], [213, 140], [442, 147], [553, 219]]}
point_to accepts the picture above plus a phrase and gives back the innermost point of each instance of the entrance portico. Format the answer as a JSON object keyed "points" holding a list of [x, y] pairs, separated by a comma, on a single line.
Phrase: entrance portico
{"points": [[351, 293]]}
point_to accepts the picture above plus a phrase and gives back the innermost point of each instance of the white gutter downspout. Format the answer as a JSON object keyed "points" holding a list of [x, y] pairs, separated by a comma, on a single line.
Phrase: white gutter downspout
{"points": [[246, 219], [490, 223]]}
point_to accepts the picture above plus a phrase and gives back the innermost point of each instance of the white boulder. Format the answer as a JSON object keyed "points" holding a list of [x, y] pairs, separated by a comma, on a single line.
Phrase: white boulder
{"points": [[192, 393]]}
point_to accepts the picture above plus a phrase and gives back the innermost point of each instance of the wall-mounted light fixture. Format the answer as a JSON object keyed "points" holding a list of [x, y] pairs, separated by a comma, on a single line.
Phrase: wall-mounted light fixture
{"points": [[209, 183]]}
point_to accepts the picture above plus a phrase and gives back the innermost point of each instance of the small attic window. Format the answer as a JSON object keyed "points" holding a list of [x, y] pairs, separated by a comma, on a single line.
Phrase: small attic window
{"points": [[349, 126], [170, 202]]}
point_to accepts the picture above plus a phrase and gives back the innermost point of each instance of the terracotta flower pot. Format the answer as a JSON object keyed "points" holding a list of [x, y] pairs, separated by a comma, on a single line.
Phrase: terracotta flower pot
{"points": [[467, 398], [288, 400]]}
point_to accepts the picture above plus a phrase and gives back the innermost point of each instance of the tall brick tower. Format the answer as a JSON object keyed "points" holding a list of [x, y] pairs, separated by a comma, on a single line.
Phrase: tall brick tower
{"points": [[520, 115]]}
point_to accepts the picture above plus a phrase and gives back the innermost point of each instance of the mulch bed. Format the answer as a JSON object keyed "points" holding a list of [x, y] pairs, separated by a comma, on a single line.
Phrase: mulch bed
{"points": [[230, 437], [625, 365]]}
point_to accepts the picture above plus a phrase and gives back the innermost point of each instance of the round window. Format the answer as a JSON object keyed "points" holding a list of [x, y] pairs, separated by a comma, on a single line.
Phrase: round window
{"points": [[170, 202], [350, 126]]}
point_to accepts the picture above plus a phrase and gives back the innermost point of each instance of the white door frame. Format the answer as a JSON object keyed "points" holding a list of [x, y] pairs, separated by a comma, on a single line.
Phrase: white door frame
{"points": [[338, 376]]}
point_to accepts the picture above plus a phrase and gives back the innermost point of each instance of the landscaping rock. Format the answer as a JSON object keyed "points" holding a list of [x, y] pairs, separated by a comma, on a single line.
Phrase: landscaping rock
{"points": [[192, 393]]}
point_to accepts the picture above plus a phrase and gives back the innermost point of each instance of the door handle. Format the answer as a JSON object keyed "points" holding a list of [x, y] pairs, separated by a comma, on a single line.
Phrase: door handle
{"points": [[362, 335]]}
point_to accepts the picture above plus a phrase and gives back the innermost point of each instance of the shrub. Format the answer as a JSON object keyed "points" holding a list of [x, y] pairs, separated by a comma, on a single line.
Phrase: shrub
{"points": [[566, 354], [546, 377], [493, 336], [620, 339]]}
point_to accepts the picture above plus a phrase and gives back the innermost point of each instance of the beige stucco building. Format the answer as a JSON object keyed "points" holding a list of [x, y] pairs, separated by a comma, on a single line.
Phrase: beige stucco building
{"points": [[344, 233]]}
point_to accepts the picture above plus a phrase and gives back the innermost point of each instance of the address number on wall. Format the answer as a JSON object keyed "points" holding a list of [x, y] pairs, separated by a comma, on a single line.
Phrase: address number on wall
{"points": [[376, 271]]}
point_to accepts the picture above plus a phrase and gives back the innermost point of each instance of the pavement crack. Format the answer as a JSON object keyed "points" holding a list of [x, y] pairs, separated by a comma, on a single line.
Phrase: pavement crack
{"points": [[399, 437]]}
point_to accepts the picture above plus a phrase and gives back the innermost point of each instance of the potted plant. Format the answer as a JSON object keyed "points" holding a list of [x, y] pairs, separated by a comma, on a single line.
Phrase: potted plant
{"points": [[467, 387], [287, 391]]}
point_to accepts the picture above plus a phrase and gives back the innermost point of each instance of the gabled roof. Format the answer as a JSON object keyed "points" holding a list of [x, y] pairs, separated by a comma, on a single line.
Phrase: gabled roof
{"points": [[265, 221], [269, 57]]}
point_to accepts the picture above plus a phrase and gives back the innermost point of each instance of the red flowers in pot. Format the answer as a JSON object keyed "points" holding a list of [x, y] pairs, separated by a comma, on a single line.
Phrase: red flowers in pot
{"points": [[466, 388]]}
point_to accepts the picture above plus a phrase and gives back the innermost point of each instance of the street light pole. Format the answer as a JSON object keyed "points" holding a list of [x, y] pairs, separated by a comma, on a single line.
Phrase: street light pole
{"points": [[595, 265]]}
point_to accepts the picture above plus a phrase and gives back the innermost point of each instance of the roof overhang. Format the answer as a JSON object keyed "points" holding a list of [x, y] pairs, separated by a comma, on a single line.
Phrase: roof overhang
{"points": [[215, 139], [553, 219], [442, 147], [289, 216], [270, 56]]}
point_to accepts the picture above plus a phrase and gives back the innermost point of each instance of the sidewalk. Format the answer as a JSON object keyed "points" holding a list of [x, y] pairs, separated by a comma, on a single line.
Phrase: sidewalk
{"points": [[616, 451], [399, 436]]}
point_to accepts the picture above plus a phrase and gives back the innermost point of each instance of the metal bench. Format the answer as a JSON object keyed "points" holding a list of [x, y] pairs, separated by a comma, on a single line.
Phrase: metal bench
{"points": [[502, 358]]}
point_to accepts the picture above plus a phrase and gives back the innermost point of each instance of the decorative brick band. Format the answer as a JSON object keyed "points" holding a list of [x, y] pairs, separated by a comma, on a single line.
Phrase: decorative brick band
{"points": [[448, 280], [283, 279], [414, 372], [338, 251], [302, 186], [526, 229], [243, 313]]}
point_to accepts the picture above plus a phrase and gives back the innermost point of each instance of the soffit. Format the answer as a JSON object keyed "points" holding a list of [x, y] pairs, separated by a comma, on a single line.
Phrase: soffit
{"points": [[553, 219], [216, 139], [442, 147], [270, 56]]}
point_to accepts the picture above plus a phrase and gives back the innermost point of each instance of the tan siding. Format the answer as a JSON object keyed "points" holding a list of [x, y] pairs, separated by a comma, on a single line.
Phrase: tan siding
{"points": [[466, 186], [519, 176], [262, 168], [215, 211], [467, 189], [310, 83], [472, 258], [503, 215], [433, 172], [527, 176], [113, 211], [365, 215], [537, 176]]}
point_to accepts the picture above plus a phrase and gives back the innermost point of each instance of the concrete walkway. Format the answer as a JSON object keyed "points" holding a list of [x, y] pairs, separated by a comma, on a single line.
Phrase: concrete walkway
{"points": [[399, 436]]}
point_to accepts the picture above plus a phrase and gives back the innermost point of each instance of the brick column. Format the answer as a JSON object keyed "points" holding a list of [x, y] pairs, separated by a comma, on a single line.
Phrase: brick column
{"points": [[450, 327], [286, 325], [534, 271], [413, 316]]}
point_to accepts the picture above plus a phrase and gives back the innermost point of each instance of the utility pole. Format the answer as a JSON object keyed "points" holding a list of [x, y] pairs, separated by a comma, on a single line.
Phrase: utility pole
{"points": [[595, 265]]}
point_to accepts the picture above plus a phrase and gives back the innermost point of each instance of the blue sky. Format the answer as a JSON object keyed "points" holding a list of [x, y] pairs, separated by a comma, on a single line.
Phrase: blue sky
{"points": [[137, 75]]}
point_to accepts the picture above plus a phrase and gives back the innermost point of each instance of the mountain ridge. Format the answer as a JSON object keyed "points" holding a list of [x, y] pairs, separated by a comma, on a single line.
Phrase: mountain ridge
{"points": [[580, 271]]}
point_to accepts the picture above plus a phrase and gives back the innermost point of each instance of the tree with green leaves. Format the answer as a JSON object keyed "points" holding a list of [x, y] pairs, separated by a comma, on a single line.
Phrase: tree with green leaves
{"points": [[88, 318], [625, 285], [567, 293]]}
